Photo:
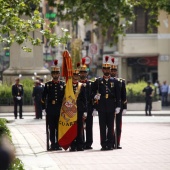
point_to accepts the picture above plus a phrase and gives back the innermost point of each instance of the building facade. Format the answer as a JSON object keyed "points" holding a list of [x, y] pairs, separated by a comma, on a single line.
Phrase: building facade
{"points": [[143, 56]]}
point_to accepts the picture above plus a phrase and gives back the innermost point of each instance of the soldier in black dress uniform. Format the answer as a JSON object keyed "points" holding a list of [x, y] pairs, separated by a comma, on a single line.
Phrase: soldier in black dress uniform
{"points": [[37, 95], [148, 90], [79, 91], [123, 104], [52, 98], [107, 95], [17, 93], [88, 133]]}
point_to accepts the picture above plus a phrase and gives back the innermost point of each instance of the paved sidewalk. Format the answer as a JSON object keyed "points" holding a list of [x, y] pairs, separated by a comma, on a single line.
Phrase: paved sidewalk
{"points": [[145, 142]]}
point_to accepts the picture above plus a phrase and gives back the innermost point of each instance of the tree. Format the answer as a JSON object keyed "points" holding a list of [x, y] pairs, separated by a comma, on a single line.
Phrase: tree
{"points": [[110, 13], [103, 13], [16, 28]]}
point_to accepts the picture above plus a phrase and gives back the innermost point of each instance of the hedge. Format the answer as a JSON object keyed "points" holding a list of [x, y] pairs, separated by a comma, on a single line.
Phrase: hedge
{"points": [[134, 93]]}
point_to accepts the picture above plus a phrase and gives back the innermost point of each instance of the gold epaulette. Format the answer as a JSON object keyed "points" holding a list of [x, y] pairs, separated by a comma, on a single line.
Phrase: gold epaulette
{"points": [[42, 101]]}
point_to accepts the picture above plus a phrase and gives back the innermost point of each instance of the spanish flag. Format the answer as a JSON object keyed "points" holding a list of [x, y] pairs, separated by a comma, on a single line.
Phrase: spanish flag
{"points": [[67, 128]]}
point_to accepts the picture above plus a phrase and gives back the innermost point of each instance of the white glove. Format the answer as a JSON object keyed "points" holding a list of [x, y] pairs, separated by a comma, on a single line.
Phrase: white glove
{"points": [[124, 111], [97, 96], [95, 112], [84, 115], [18, 98], [44, 112], [117, 110]]}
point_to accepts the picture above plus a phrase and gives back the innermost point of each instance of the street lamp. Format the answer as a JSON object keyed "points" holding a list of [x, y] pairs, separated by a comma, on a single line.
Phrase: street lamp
{"points": [[46, 52]]}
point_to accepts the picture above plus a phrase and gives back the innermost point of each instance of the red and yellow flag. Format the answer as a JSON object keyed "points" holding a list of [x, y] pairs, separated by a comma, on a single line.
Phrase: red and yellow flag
{"points": [[67, 128]]}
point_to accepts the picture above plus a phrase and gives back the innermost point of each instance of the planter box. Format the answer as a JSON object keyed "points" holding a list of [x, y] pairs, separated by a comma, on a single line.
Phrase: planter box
{"points": [[156, 106]]}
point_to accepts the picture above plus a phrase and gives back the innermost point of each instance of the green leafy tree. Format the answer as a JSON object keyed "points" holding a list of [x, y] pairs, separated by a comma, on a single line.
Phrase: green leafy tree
{"points": [[103, 13], [109, 13], [18, 18]]}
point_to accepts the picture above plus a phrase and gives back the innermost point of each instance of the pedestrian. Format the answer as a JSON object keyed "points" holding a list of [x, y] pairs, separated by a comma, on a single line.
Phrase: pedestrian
{"points": [[88, 133], [164, 91], [51, 101], [79, 91], [37, 95], [17, 93], [123, 109], [106, 92], [158, 89], [148, 90]]}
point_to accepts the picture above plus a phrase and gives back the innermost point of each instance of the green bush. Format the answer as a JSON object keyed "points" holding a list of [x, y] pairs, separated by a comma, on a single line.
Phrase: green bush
{"points": [[135, 94], [4, 131]]}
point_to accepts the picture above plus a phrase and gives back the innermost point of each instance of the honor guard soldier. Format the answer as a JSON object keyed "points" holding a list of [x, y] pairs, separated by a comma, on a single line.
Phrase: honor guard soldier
{"points": [[51, 101], [123, 103], [79, 91], [106, 91], [88, 133], [17, 93]]}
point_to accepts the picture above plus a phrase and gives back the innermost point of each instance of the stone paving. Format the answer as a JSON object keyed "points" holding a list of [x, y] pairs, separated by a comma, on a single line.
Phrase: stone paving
{"points": [[145, 142]]}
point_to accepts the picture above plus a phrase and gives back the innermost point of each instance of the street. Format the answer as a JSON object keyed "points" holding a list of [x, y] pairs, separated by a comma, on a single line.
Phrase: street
{"points": [[145, 142]]}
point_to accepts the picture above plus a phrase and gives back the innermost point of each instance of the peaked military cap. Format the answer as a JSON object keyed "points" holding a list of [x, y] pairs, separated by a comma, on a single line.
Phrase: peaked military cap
{"points": [[106, 64], [83, 66], [55, 68], [113, 67]]}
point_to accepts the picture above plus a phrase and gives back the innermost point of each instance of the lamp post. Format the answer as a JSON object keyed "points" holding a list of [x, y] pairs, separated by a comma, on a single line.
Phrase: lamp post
{"points": [[46, 53]]}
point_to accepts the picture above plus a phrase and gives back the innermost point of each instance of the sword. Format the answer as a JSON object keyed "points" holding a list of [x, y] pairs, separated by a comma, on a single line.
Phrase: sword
{"points": [[115, 131], [47, 134]]}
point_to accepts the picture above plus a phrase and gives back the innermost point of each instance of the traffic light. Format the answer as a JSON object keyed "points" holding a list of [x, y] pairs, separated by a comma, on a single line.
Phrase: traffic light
{"points": [[7, 53]]}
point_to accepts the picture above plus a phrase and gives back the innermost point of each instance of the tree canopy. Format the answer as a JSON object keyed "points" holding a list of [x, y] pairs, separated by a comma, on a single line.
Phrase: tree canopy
{"points": [[106, 13], [18, 18]]}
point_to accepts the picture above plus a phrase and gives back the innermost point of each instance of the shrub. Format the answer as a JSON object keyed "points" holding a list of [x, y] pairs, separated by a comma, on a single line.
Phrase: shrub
{"points": [[135, 94], [4, 131]]}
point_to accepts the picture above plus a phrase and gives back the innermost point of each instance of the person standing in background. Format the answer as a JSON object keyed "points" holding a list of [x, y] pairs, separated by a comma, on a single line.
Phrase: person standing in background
{"points": [[148, 98], [37, 95], [17, 93], [164, 91], [158, 89]]}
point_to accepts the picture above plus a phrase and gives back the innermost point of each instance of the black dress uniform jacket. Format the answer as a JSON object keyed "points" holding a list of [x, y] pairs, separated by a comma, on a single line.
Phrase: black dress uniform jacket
{"points": [[52, 96], [110, 94]]}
